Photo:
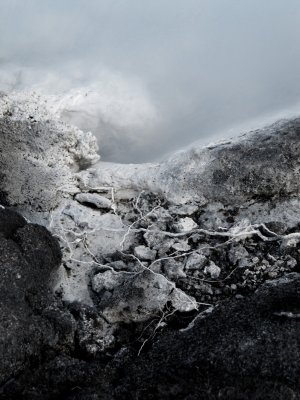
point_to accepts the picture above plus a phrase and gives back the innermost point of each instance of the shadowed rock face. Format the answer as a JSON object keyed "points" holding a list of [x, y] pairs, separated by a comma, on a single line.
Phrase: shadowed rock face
{"points": [[245, 349], [28, 257]]}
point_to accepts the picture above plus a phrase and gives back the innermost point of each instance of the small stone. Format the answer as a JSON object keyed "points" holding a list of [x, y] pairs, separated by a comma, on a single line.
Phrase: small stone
{"points": [[272, 274], [233, 286], [94, 199], [290, 242], [108, 280], [205, 288], [196, 237], [195, 261], [185, 209], [118, 265], [181, 246], [291, 263], [213, 270], [174, 269], [185, 225], [144, 253], [158, 241], [237, 253]]}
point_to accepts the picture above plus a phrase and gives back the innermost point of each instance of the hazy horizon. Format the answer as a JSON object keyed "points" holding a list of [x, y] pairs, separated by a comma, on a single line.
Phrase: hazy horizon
{"points": [[159, 75]]}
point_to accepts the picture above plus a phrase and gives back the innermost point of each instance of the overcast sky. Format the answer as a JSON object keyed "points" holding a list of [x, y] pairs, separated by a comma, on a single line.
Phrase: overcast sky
{"points": [[196, 67]]}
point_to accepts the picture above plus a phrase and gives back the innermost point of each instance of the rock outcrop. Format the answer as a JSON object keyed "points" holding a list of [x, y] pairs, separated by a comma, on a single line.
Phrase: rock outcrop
{"points": [[38, 153], [257, 165], [170, 280]]}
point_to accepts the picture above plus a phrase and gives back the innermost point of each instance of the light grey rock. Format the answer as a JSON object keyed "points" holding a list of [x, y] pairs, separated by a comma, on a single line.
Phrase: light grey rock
{"points": [[95, 199], [182, 246], [108, 280], [174, 269], [142, 296], [291, 262], [38, 159], [195, 261], [184, 209], [158, 241], [205, 288], [186, 224], [238, 255], [118, 265], [144, 253], [212, 270]]}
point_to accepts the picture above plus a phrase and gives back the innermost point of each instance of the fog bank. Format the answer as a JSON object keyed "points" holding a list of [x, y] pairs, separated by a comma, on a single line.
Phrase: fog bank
{"points": [[151, 77]]}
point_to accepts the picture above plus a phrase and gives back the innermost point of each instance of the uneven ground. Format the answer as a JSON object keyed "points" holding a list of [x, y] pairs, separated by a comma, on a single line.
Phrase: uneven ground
{"points": [[177, 280]]}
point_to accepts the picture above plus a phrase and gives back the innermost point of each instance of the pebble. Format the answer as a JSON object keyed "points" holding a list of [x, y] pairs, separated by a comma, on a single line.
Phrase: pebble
{"points": [[186, 209], [291, 263], [94, 199], [108, 280], [195, 261], [205, 288], [144, 253], [213, 270], [272, 274], [181, 246], [185, 225]]}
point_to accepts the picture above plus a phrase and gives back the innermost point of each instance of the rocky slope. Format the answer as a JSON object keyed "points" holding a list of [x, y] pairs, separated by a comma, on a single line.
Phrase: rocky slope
{"points": [[171, 280]]}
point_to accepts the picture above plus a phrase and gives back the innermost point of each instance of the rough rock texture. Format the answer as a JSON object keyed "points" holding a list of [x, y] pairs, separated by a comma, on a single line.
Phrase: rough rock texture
{"points": [[29, 256], [138, 297], [245, 349], [38, 153], [175, 280], [257, 165]]}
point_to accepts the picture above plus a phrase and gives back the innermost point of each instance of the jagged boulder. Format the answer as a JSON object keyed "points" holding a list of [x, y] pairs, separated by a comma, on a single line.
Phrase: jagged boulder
{"points": [[138, 297], [29, 320], [39, 154]]}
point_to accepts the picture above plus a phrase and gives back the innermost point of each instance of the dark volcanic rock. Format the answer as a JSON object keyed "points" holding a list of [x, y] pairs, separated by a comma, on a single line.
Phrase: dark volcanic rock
{"points": [[245, 349], [28, 256]]}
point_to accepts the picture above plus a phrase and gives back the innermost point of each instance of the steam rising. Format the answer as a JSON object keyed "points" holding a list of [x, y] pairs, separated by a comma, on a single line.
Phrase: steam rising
{"points": [[152, 77]]}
